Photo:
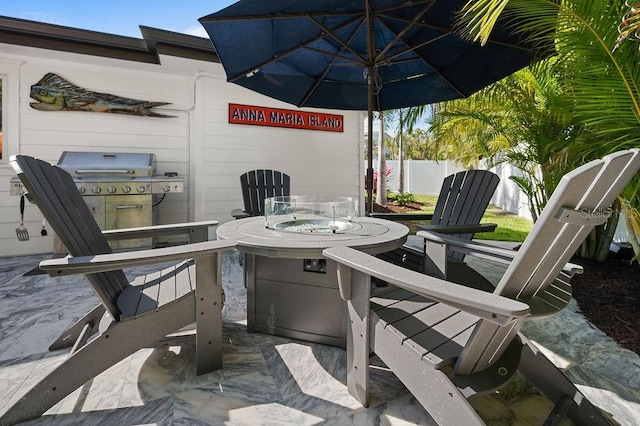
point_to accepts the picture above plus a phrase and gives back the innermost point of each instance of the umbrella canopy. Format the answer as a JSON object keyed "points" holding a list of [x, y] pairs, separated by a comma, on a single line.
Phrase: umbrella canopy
{"points": [[369, 55]]}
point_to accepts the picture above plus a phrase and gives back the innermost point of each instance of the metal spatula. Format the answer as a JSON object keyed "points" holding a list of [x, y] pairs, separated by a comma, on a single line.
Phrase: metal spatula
{"points": [[21, 231]]}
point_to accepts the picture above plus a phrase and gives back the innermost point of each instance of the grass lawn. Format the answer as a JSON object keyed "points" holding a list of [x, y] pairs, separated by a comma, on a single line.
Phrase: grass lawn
{"points": [[510, 227]]}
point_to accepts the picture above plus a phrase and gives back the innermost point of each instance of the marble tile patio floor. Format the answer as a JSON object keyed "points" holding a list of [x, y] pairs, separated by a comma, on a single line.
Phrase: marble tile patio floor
{"points": [[268, 380]]}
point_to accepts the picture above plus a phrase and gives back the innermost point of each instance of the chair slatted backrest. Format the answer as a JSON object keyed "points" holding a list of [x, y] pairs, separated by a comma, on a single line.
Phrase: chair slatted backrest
{"points": [[589, 189], [566, 221], [55, 193], [260, 184], [463, 199]]}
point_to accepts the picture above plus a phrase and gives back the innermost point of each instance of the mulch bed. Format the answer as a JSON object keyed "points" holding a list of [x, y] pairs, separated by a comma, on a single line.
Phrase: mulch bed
{"points": [[394, 208], [608, 295]]}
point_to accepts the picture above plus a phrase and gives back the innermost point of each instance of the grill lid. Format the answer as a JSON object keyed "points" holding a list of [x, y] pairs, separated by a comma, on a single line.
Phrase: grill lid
{"points": [[108, 164]]}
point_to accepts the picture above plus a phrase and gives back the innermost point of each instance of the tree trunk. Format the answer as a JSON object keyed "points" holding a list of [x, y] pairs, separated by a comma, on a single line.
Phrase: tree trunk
{"points": [[400, 158], [633, 227], [381, 188], [610, 230]]}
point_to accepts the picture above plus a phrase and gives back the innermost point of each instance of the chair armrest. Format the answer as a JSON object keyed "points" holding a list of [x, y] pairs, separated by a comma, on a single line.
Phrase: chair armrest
{"points": [[469, 247], [491, 307], [460, 229], [113, 261], [157, 230], [402, 216], [239, 214], [485, 251]]}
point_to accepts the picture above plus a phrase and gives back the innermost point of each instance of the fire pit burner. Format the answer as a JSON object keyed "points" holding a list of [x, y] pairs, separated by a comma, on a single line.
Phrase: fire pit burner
{"points": [[320, 226], [306, 214]]}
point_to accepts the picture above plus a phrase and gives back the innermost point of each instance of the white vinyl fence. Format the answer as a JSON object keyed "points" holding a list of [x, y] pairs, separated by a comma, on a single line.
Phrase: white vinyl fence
{"points": [[424, 177], [421, 177]]}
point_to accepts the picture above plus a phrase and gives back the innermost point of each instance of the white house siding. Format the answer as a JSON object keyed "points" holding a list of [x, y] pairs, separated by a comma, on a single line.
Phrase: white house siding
{"points": [[319, 163], [197, 143]]}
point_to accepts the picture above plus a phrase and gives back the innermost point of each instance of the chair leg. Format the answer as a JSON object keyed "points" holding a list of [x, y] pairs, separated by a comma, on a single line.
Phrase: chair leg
{"points": [[358, 337], [557, 387], [114, 344], [209, 314], [433, 389], [69, 337]]}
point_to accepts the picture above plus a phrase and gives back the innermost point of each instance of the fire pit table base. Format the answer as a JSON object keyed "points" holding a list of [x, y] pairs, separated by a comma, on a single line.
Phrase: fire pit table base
{"points": [[285, 300], [292, 291]]}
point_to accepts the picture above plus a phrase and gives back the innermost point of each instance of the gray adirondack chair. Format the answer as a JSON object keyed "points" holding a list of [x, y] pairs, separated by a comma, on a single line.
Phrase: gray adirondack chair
{"points": [[463, 199], [447, 342], [132, 315], [256, 186]]}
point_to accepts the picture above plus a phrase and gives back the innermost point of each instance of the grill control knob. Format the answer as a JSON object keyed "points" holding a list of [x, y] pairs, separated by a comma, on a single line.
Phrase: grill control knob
{"points": [[82, 189], [141, 188], [96, 190], [111, 189], [166, 188], [126, 189]]}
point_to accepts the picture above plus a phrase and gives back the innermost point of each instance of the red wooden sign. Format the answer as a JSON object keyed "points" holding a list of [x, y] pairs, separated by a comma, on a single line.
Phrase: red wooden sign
{"points": [[275, 117]]}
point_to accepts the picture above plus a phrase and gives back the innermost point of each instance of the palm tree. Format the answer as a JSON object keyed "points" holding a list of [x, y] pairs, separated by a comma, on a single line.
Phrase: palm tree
{"points": [[602, 85], [521, 120], [381, 190], [596, 65]]}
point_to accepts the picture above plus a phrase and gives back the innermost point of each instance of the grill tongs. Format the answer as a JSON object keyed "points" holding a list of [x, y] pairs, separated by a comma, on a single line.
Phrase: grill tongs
{"points": [[21, 231]]}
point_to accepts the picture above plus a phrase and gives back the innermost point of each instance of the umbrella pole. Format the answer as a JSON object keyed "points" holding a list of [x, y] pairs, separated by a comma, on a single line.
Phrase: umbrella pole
{"points": [[370, 76]]}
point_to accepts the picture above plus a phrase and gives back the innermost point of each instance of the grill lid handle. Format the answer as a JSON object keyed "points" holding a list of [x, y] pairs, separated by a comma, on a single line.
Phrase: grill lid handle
{"points": [[110, 171]]}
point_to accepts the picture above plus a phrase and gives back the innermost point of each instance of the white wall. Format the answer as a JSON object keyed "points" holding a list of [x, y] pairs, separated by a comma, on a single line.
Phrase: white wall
{"points": [[318, 162], [198, 142]]}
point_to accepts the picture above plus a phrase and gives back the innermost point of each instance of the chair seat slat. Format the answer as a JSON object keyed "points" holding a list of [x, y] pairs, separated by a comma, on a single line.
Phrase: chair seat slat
{"points": [[403, 308], [437, 335], [421, 320], [380, 301], [449, 351]]}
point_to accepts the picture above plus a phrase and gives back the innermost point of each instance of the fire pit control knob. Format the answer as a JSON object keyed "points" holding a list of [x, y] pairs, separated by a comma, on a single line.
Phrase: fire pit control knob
{"points": [[141, 188], [96, 190], [111, 189], [166, 188], [126, 189]]}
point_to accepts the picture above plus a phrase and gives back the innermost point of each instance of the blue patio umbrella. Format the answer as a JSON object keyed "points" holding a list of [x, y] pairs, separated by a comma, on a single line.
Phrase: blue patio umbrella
{"points": [[371, 55]]}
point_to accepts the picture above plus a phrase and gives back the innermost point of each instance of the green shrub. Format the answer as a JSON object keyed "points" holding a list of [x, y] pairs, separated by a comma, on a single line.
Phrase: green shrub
{"points": [[404, 198]]}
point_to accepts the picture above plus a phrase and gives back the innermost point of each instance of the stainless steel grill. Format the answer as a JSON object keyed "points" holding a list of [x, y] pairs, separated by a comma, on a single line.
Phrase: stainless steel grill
{"points": [[118, 173], [119, 189]]}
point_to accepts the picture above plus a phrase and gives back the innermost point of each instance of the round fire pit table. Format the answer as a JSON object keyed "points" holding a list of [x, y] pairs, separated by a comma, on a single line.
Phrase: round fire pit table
{"points": [[292, 291]]}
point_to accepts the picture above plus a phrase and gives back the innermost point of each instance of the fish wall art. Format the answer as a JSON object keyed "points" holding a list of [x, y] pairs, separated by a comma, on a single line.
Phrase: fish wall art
{"points": [[54, 93]]}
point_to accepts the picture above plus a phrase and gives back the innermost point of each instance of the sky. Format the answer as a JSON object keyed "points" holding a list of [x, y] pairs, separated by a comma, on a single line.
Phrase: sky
{"points": [[122, 17]]}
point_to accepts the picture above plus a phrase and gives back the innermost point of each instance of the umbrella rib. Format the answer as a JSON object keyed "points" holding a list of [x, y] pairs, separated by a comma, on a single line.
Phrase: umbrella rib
{"points": [[305, 45], [285, 15], [331, 33], [404, 31], [448, 30], [336, 56], [412, 48], [435, 69]]}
